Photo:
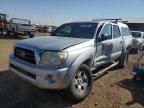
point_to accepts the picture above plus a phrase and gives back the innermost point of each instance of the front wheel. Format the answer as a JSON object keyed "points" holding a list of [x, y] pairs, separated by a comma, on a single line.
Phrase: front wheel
{"points": [[81, 84]]}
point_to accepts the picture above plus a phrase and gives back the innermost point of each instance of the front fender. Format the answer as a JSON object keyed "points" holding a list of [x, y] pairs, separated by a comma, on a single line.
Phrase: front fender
{"points": [[74, 66], [82, 58]]}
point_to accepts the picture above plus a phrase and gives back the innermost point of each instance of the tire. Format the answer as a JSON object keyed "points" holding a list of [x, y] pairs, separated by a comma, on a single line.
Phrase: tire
{"points": [[31, 35], [138, 78], [14, 33], [8, 33], [138, 51], [123, 60], [81, 85], [142, 48], [1, 30]]}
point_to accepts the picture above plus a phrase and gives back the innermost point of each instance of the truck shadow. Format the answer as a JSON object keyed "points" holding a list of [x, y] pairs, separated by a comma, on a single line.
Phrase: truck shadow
{"points": [[136, 89], [4, 36], [16, 93]]}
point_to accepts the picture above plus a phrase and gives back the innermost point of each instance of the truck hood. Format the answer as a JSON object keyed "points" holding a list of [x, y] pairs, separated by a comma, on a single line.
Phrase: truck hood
{"points": [[50, 42]]}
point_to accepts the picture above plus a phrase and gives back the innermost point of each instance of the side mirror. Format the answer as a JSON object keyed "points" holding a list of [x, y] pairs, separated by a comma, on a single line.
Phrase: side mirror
{"points": [[105, 37]]}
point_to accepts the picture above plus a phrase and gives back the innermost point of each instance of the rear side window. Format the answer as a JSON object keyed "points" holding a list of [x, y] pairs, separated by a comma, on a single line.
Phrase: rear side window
{"points": [[116, 31], [125, 32]]}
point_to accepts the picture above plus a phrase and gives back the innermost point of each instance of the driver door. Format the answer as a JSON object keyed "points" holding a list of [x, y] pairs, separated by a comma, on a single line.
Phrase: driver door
{"points": [[104, 46]]}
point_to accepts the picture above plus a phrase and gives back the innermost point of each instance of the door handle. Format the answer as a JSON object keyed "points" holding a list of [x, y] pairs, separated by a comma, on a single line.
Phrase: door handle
{"points": [[121, 42]]}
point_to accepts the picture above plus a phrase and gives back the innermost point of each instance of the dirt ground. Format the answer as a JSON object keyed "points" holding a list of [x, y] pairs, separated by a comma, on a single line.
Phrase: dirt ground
{"points": [[116, 89]]}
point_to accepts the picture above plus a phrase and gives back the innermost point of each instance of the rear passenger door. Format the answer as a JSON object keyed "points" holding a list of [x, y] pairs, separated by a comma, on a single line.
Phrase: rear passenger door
{"points": [[117, 42]]}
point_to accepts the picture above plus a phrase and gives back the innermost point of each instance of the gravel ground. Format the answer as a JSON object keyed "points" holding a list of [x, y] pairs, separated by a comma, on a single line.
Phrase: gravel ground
{"points": [[116, 89]]}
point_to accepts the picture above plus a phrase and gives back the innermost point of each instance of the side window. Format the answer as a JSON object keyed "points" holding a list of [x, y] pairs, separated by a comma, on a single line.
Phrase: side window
{"points": [[125, 32], [116, 32], [106, 33]]}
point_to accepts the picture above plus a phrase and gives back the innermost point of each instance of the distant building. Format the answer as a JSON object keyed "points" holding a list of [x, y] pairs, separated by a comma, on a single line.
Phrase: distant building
{"points": [[136, 24]]}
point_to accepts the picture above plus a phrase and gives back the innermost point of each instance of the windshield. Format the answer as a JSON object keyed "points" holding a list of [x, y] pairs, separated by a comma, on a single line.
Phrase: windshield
{"points": [[21, 21], [136, 34], [76, 30]]}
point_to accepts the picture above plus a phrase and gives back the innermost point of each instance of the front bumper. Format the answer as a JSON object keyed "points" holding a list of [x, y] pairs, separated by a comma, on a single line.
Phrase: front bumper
{"points": [[25, 32], [40, 76]]}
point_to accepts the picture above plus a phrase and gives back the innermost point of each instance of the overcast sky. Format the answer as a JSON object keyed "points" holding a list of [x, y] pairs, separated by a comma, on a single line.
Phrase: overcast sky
{"points": [[61, 11]]}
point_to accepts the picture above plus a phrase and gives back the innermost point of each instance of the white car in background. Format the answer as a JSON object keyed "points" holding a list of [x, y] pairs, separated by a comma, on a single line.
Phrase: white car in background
{"points": [[138, 41]]}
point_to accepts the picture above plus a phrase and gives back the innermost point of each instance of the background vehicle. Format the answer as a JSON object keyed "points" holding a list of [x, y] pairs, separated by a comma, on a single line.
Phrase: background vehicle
{"points": [[138, 42], [51, 28], [21, 26], [3, 22], [36, 28], [46, 29], [43, 29], [72, 57]]}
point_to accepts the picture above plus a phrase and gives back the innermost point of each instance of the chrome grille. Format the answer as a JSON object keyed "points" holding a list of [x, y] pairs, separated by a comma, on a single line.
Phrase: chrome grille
{"points": [[25, 54]]}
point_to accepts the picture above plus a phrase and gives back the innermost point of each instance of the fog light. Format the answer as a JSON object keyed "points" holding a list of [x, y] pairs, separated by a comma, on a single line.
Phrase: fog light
{"points": [[50, 79]]}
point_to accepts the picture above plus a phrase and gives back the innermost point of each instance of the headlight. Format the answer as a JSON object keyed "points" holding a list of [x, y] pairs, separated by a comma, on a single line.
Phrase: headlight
{"points": [[53, 58]]}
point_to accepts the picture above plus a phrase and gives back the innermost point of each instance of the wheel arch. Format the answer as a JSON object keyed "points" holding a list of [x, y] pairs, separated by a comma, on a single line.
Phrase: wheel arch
{"points": [[85, 58]]}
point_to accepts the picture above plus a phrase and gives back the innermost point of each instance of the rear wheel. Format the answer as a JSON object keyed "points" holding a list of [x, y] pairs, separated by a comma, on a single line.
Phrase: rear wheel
{"points": [[81, 84], [143, 48], [14, 33], [8, 32], [1, 30], [123, 60], [138, 51], [31, 35]]}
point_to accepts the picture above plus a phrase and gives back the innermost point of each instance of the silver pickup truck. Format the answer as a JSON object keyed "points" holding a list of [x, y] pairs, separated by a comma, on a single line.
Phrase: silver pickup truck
{"points": [[72, 57]]}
